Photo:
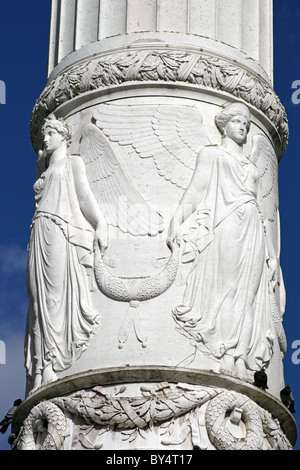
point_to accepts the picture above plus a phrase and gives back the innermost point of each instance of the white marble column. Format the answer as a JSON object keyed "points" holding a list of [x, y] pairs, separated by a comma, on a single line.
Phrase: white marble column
{"points": [[245, 26], [141, 84]]}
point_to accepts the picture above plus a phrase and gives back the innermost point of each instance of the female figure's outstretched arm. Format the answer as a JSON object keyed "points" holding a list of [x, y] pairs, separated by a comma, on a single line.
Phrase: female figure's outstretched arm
{"points": [[193, 195], [88, 203]]}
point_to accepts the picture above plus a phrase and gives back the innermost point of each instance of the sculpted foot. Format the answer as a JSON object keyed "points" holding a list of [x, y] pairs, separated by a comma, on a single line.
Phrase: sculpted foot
{"points": [[241, 370], [227, 365], [37, 382]]}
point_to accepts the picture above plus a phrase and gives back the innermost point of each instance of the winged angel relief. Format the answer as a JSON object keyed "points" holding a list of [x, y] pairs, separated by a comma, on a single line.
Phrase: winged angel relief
{"points": [[172, 136], [234, 296], [232, 306]]}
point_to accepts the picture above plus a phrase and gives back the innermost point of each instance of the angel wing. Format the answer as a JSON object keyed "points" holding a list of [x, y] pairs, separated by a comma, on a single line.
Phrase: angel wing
{"points": [[120, 202], [171, 135], [263, 155]]}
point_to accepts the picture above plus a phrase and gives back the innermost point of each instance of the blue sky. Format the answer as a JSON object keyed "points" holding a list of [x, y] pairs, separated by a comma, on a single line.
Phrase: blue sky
{"points": [[24, 34]]}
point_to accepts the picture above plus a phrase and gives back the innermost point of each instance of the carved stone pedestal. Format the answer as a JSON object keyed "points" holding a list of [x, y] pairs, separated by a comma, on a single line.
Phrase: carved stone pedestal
{"points": [[158, 415]]}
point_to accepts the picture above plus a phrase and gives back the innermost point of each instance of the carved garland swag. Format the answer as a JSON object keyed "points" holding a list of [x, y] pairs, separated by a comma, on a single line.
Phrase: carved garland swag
{"points": [[163, 66]]}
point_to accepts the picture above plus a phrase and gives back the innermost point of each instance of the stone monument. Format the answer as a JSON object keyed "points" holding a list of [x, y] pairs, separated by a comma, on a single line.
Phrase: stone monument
{"points": [[155, 291]]}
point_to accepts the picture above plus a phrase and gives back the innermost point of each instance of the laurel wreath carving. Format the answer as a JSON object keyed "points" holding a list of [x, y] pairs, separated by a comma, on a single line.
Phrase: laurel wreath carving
{"points": [[114, 409], [161, 66], [258, 424], [152, 405], [216, 422], [45, 417], [138, 289]]}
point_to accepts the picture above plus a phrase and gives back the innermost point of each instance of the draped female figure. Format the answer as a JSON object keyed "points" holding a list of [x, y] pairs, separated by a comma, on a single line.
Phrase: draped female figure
{"points": [[226, 304], [66, 224]]}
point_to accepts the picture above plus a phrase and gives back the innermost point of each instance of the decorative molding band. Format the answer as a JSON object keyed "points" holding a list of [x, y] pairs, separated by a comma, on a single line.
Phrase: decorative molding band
{"points": [[229, 420], [162, 66], [111, 377]]}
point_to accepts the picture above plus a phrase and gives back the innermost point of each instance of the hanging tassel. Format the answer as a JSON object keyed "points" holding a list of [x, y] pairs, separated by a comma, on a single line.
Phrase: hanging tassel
{"points": [[131, 321]]}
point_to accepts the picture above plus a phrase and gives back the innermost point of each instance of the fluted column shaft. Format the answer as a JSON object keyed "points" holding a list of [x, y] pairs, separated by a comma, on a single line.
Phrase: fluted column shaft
{"points": [[244, 25]]}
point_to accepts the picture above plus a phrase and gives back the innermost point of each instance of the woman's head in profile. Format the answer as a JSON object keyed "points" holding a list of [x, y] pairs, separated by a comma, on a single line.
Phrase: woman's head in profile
{"points": [[52, 126], [234, 121], [59, 125]]}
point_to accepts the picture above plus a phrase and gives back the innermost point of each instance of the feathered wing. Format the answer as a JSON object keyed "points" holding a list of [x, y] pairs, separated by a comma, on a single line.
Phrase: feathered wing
{"points": [[171, 135], [263, 155], [120, 202]]}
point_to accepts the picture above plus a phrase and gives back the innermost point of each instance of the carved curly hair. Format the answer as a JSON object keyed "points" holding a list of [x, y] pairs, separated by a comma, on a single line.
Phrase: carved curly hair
{"points": [[59, 125], [228, 112]]}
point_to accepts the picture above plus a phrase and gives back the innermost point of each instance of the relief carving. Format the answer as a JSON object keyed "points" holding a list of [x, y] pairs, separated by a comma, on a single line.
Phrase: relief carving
{"points": [[121, 204], [200, 417], [43, 429], [134, 291], [233, 248], [67, 223], [124, 208], [229, 191], [234, 422], [165, 67], [171, 135], [232, 245]]}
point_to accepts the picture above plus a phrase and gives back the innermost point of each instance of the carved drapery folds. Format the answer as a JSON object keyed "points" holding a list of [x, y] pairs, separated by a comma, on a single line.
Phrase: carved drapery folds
{"points": [[160, 159], [61, 317], [230, 243], [229, 307]]}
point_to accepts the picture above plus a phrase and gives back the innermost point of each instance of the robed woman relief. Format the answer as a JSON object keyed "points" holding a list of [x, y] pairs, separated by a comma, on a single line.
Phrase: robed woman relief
{"points": [[233, 299], [229, 308], [66, 226]]}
